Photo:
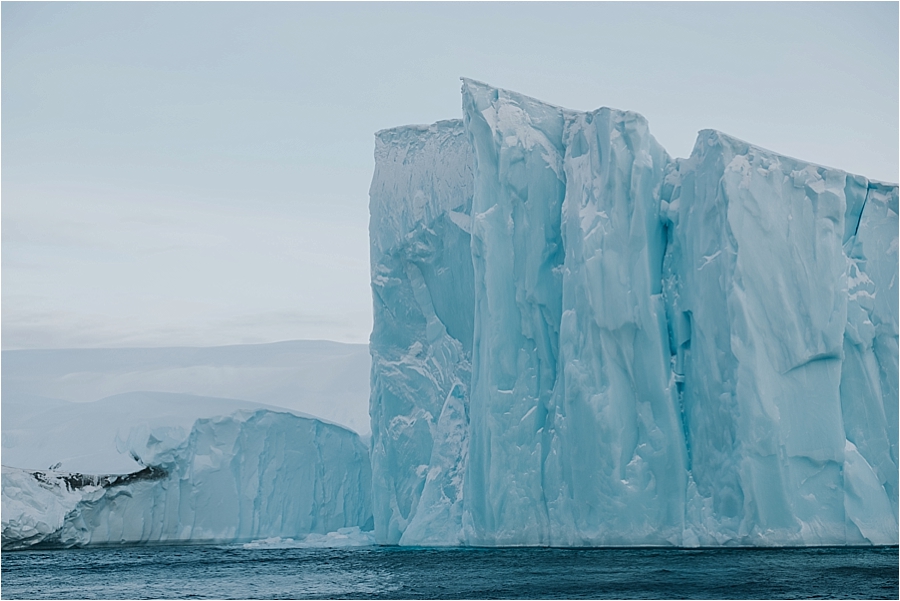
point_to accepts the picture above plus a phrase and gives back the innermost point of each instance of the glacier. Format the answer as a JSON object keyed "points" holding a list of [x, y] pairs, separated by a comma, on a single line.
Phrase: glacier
{"points": [[252, 475], [581, 341]]}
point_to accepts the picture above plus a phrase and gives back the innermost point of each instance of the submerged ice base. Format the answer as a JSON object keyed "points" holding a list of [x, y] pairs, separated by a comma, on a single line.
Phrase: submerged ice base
{"points": [[251, 475], [580, 341]]}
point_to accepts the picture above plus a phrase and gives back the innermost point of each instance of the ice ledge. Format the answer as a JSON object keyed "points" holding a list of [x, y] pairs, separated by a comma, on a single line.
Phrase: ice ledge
{"points": [[713, 136], [416, 129]]}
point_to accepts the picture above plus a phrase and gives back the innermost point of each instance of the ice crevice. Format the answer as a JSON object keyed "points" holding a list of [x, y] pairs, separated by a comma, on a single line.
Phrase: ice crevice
{"points": [[640, 349]]}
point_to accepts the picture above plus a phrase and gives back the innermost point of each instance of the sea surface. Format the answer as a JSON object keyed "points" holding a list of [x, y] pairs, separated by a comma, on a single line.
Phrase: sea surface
{"points": [[225, 572]]}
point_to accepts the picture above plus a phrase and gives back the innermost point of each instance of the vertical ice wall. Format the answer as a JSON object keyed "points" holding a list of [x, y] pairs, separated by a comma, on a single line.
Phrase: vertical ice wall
{"points": [[756, 281], [518, 254], [422, 289], [693, 352], [617, 472], [869, 369]]}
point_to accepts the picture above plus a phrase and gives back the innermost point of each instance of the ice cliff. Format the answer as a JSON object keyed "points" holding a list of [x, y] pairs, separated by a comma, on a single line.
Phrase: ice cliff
{"points": [[423, 292], [251, 475], [579, 340]]}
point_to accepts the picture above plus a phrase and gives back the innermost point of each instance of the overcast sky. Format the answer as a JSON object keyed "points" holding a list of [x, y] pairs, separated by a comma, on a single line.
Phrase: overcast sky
{"points": [[197, 174]]}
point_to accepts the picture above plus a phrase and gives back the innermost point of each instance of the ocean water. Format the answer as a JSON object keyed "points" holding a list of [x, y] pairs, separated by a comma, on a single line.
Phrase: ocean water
{"points": [[191, 572]]}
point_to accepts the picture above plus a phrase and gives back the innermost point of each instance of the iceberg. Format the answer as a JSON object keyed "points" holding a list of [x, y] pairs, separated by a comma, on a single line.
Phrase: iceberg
{"points": [[248, 476], [423, 297], [40, 432], [756, 275], [580, 341]]}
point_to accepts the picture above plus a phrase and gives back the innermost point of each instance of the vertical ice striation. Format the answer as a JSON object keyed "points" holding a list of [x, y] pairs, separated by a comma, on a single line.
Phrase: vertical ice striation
{"points": [[421, 342], [617, 473], [869, 370], [690, 352], [757, 290], [518, 255]]}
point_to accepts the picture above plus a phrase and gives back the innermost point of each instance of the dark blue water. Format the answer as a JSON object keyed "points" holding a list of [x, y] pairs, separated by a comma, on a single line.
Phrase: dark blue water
{"points": [[392, 573]]}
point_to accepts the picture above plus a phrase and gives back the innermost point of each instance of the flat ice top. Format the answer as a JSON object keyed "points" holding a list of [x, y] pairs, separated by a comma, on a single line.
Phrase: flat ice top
{"points": [[39, 433], [70, 405]]}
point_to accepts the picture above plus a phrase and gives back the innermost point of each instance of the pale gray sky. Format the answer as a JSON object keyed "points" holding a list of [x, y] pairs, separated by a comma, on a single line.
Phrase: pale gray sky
{"points": [[198, 173]]}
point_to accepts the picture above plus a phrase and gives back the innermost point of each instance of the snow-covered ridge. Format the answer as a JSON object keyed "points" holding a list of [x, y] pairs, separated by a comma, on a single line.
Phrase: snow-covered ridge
{"points": [[641, 350], [251, 475]]}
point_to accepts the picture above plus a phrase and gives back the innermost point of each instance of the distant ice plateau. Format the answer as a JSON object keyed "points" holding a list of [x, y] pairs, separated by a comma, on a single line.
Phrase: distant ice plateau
{"points": [[580, 341], [113, 446]]}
